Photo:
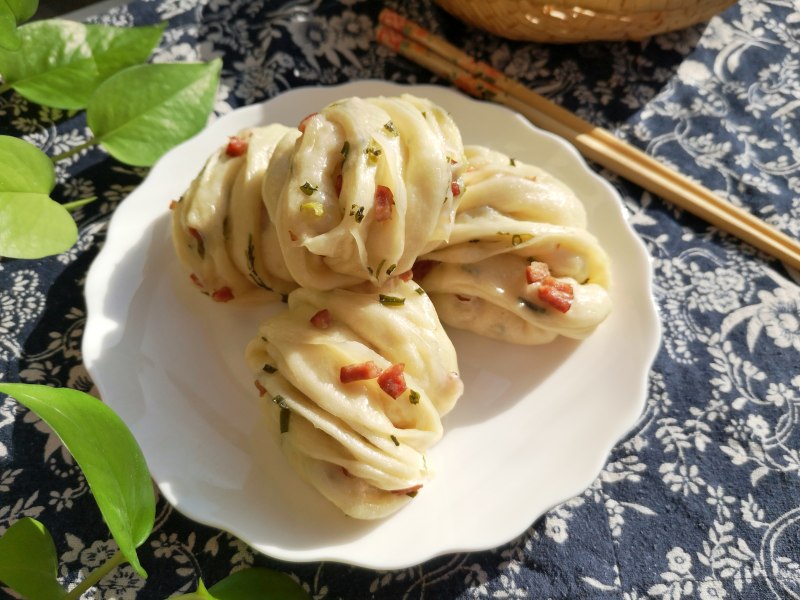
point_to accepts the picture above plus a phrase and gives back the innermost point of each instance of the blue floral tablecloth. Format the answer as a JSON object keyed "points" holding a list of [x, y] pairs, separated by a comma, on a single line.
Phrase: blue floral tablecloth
{"points": [[700, 500]]}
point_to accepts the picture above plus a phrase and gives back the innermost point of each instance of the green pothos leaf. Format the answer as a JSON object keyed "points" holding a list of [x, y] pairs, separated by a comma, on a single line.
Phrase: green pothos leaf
{"points": [[106, 452], [60, 63], [255, 582], [12, 13], [9, 37], [28, 561], [201, 593], [258, 582], [23, 9], [141, 112], [24, 168], [32, 225]]}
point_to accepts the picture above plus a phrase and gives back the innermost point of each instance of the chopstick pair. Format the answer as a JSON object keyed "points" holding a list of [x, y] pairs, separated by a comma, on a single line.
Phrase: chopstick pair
{"points": [[597, 144]]}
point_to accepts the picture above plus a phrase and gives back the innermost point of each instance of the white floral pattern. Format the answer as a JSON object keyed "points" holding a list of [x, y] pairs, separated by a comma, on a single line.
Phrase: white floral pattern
{"points": [[698, 501]]}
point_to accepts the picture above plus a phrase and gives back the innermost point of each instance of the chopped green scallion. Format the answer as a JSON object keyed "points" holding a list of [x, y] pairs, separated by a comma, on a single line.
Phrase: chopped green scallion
{"points": [[387, 300], [308, 189], [413, 396], [284, 419], [518, 238], [389, 126], [250, 255], [530, 305], [373, 151], [394, 439], [313, 208], [391, 268], [357, 212]]}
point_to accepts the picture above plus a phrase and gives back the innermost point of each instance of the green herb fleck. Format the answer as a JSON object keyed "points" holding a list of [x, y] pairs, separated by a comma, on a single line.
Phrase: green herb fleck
{"points": [[387, 300], [269, 369], [345, 149], [308, 189], [413, 396], [518, 238], [412, 494], [313, 208], [373, 152], [389, 126], [420, 291], [250, 253], [201, 245], [380, 266], [357, 212], [391, 268], [285, 416], [530, 305], [512, 162], [280, 401], [226, 228], [394, 439]]}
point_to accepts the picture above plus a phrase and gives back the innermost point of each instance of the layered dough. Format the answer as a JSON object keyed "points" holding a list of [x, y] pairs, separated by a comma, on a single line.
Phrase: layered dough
{"points": [[362, 448], [221, 230], [365, 189], [512, 216]]}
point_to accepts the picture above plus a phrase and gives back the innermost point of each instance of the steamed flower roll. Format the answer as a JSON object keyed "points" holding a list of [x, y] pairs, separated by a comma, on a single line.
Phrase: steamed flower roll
{"points": [[370, 185], [520, 265], [355, 383], [220, 227]]}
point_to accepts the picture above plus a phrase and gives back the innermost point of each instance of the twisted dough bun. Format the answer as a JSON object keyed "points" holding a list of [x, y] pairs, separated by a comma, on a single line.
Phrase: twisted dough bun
{"points": [[366, 189], [361, 442], [520, 265], [220, 228]]}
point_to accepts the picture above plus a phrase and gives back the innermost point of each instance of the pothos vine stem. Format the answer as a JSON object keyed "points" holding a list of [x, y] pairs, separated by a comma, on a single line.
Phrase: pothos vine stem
{"points": [[87, 144], [95, 576]]}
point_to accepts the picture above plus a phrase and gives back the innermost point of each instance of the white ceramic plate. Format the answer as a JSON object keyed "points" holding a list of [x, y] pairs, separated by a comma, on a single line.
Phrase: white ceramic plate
{"points": [[533, 428]]}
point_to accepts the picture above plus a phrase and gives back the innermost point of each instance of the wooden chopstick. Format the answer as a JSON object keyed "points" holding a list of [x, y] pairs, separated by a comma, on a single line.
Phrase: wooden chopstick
{"points": [[481, 80]]}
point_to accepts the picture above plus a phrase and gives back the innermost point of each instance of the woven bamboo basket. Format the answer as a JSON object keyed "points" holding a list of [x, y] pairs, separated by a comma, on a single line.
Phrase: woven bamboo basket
{"points": [[564, 21]]}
